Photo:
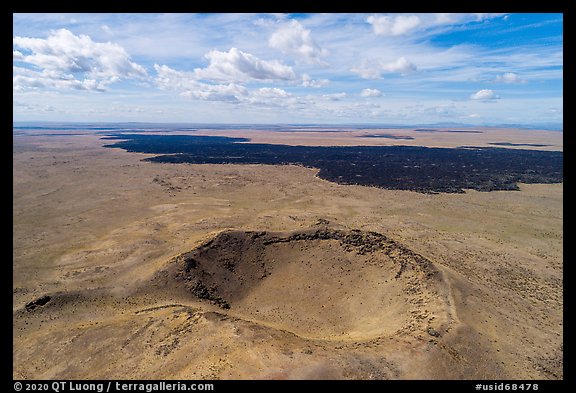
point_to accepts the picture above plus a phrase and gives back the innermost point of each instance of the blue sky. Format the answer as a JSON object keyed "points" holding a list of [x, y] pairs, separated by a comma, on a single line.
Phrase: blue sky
{"points": [[282, 68]]}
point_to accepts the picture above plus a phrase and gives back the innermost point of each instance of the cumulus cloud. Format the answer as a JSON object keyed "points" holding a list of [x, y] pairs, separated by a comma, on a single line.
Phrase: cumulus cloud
{"points": [[271, 97], [371, 93], [401, 65], [393, 25], [185, 82], [225, 77], [334, 96], [227, 92], [307, 81], [294, 40], [484, 95], [66, 60], [509, 77], [373, 69], [237, 66], [26, 79], [271, 92]]}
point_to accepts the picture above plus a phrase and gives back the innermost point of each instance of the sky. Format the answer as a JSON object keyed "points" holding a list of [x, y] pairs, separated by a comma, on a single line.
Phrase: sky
{"points": [[480, 69]]}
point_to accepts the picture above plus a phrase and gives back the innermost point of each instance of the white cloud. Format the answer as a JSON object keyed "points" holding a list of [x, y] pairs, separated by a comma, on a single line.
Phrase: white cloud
{"points": [[444, 18], [271, 92], [186, 83], [229, 93], [509, 77], [393, 25], [370, 69], [335, 96], [373, 69], [307, 81], [294, 40], [296, 87], [371, 93], [26, 79], [401, 65], [238, 66], [75, 59], [484, 95], [224, 78], [31, 107], [399, 25], [480, 16], [270, 97]]}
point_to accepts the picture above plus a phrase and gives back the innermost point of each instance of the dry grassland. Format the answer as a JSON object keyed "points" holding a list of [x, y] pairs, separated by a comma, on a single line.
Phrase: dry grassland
{"points": [[105, 235]]}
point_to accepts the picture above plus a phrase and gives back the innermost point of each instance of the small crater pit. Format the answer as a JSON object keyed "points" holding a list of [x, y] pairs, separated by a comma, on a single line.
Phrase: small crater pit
{"points": [[318, 283]]}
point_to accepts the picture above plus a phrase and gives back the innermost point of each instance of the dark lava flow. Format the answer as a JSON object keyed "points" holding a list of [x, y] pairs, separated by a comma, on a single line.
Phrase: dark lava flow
{"points": [[415, 168]]}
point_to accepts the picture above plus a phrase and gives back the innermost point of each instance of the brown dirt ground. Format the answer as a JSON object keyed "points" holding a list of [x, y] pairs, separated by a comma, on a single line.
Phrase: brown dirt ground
{"points": [[94, 228]]}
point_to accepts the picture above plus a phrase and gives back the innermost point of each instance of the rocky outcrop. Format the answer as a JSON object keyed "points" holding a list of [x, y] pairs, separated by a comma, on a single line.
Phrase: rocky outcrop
{"points": [[40, 302]]}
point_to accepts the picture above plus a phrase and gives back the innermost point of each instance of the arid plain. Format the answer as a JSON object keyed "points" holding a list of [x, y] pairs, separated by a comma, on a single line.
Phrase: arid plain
{"points": [[121, 267]]}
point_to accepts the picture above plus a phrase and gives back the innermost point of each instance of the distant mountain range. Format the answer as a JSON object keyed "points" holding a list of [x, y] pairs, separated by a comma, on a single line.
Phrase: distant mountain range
{"points": [[132, 125]]}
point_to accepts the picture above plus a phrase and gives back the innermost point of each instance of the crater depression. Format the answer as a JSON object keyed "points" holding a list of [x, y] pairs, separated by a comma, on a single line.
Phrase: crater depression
{"points": [[316, 283]]}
